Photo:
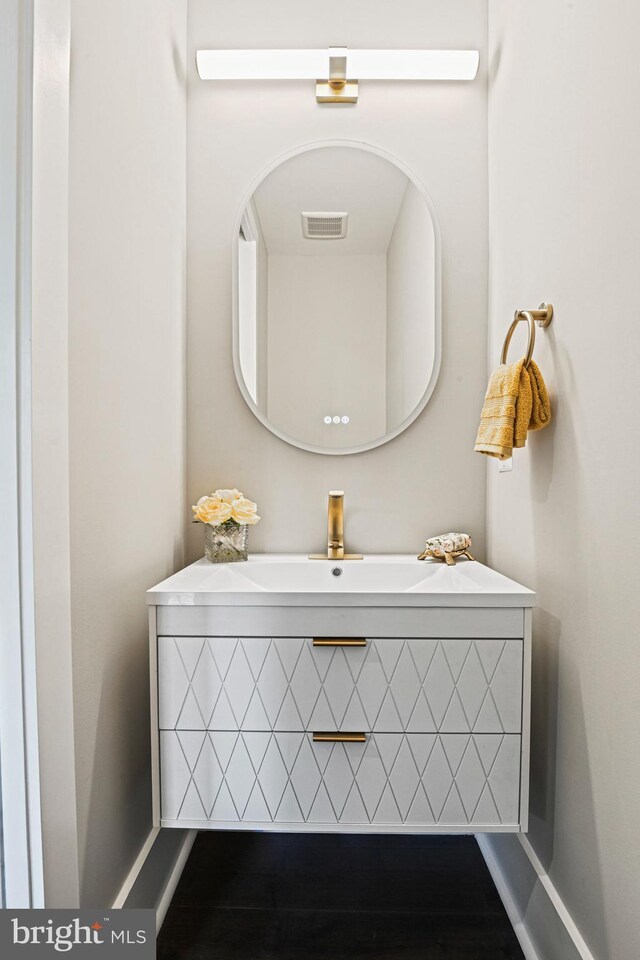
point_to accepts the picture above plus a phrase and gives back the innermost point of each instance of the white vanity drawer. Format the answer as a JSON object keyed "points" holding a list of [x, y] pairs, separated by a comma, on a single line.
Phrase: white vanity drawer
{"points": [[450, 782], [387, 686]]}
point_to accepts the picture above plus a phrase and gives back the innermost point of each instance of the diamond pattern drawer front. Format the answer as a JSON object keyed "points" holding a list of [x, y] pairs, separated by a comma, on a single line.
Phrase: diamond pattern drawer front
{"points": [[421, 779], [389, 686]]}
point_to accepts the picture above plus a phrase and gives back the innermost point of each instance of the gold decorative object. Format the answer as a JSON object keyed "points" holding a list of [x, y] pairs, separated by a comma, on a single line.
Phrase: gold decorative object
{"points": [[447, 547]]}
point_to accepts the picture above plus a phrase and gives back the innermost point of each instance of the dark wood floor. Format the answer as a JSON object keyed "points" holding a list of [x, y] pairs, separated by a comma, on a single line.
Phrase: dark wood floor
{"points": [[252, 896]]}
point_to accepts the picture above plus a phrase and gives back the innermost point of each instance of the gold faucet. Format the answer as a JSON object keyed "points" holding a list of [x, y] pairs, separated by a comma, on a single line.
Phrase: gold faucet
{"points": [[335, 531]]}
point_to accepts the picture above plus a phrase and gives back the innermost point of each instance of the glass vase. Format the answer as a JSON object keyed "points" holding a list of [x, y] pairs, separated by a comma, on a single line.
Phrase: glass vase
{"points": [[227, 542]]}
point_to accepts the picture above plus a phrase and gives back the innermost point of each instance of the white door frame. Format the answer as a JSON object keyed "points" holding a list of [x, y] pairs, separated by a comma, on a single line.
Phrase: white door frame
{"points": [[21, 876]]}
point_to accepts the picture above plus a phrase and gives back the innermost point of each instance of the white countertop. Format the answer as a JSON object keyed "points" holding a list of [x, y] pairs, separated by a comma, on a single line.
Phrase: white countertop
{"points": [[387, 580]]}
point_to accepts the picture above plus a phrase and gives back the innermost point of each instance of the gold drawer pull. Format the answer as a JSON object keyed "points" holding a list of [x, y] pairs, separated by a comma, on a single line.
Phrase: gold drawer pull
{"points": [[339, 642], [327, 736]]}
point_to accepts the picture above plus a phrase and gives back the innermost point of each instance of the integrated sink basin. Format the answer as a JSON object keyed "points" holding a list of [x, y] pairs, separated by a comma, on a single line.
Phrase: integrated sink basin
{"points": [[378, 580]]}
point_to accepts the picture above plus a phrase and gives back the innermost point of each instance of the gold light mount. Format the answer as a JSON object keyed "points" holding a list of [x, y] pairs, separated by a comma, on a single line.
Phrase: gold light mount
{"points": [[337, 89]]}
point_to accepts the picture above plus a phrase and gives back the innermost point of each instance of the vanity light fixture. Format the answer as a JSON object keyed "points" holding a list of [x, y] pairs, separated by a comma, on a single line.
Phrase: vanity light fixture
{"points": [[336, 64]]}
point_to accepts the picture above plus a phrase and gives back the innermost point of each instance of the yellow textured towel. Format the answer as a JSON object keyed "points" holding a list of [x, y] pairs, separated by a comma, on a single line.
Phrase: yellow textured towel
{"points": [[516, 401], [541, 412]]}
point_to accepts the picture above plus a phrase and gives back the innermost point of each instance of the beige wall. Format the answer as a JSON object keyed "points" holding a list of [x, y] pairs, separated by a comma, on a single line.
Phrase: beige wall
{"points": [[411, 306], [564, 198], [49, 399], [126, 399], [400, 492], [326, 347]]}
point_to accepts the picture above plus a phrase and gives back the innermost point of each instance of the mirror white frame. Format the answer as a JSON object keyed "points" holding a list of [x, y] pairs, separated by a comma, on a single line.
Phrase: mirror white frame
{"points": [[361, 448]]}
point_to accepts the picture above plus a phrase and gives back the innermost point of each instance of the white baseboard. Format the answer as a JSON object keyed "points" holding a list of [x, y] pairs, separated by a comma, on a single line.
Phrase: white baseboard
{"points": [[161, 894], [174, 877], [544, 927], [508, 901], [138, 864]]}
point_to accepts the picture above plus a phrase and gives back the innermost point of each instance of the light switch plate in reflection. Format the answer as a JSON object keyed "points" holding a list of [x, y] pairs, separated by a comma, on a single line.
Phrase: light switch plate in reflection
{"points": [[505, 466]]}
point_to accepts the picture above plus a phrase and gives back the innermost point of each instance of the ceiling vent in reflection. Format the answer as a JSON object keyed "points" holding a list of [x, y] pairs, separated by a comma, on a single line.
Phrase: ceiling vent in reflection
{"points": [[324, 226]]}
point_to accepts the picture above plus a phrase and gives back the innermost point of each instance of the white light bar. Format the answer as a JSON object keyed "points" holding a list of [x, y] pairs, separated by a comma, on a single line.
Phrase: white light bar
{"points": [[262, 64], [413, 64], [314, 64]]}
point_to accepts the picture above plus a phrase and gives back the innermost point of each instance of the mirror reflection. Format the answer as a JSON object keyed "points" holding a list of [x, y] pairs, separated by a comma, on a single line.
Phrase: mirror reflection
{"points": [[337, 299]]}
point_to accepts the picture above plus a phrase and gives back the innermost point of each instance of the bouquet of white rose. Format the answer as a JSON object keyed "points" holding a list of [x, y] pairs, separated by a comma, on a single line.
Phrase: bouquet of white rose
{"points": [[227, 515], [225, 505]]}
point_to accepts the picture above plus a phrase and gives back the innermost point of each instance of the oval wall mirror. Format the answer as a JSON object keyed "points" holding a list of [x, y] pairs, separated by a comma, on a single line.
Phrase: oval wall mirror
{"points": [[337, 298]]}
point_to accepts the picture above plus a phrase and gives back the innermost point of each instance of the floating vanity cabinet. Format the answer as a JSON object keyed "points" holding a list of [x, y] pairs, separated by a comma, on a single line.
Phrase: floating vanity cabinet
{"points": [[351, 710]]}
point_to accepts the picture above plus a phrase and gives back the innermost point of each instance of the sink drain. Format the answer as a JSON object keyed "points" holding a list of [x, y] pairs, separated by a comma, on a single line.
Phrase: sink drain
{"points": [[336, 571]]}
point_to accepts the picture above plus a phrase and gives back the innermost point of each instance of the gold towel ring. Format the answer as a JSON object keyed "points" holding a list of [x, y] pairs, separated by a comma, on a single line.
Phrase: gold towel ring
{"points": [[520, 315], [542, 317]]}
